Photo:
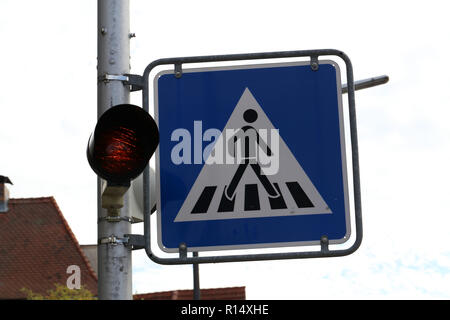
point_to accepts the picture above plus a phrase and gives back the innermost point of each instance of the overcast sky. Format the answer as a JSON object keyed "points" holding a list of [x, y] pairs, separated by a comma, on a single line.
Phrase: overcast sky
{"points": [[48, 110]]}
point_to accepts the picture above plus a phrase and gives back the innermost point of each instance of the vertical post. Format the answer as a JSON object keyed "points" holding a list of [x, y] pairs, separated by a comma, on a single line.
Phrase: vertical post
{"points": [[113, 49], [197, 295]]}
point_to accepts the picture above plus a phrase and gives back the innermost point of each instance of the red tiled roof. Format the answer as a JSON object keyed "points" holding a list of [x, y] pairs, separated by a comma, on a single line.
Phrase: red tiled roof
{"points": [[36, 248], [233, 293]]}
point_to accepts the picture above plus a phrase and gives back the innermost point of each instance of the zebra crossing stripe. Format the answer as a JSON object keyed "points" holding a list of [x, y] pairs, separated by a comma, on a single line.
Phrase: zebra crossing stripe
{"points": [[251, 199], [202, 205], [226, 205], [278, 202], [300, 197]]}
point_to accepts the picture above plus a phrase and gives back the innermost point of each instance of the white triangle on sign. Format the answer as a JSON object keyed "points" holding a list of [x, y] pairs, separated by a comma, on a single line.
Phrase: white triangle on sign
{"points": [[232, 190]]}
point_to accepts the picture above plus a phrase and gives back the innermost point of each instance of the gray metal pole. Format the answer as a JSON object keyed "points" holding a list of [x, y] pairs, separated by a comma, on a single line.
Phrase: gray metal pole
{"points": [[367, 83], [113, 49], [197, 295]]}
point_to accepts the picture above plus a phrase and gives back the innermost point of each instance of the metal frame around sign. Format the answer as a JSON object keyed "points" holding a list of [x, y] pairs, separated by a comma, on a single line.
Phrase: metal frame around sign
{"points": [[324, 245]]}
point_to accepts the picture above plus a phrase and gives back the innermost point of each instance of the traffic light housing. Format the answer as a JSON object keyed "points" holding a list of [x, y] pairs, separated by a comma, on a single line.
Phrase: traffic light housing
{"points": [[122, 143]]}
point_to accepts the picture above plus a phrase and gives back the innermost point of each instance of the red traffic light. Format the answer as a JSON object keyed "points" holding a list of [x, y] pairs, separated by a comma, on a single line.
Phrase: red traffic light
{"points": [[122, 143]]}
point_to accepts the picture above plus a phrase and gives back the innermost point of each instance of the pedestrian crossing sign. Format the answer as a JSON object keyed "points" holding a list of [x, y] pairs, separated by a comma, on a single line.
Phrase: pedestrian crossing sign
{"points": [[251, 157]]}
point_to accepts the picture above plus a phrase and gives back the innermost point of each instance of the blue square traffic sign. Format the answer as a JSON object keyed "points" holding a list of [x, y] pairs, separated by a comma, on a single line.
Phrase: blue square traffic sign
{"points": [[251, 157]]}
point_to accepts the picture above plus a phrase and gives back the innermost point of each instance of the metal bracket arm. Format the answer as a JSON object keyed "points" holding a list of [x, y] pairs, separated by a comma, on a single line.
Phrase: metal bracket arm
{"points": [[136, 82], [116, 219], [367, 83], [135, 241], [112, 77], [113, 240]]}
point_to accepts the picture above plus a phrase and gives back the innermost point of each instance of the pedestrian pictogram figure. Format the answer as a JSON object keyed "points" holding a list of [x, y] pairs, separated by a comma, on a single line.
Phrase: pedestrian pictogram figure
{"points": [[250, 141]]}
